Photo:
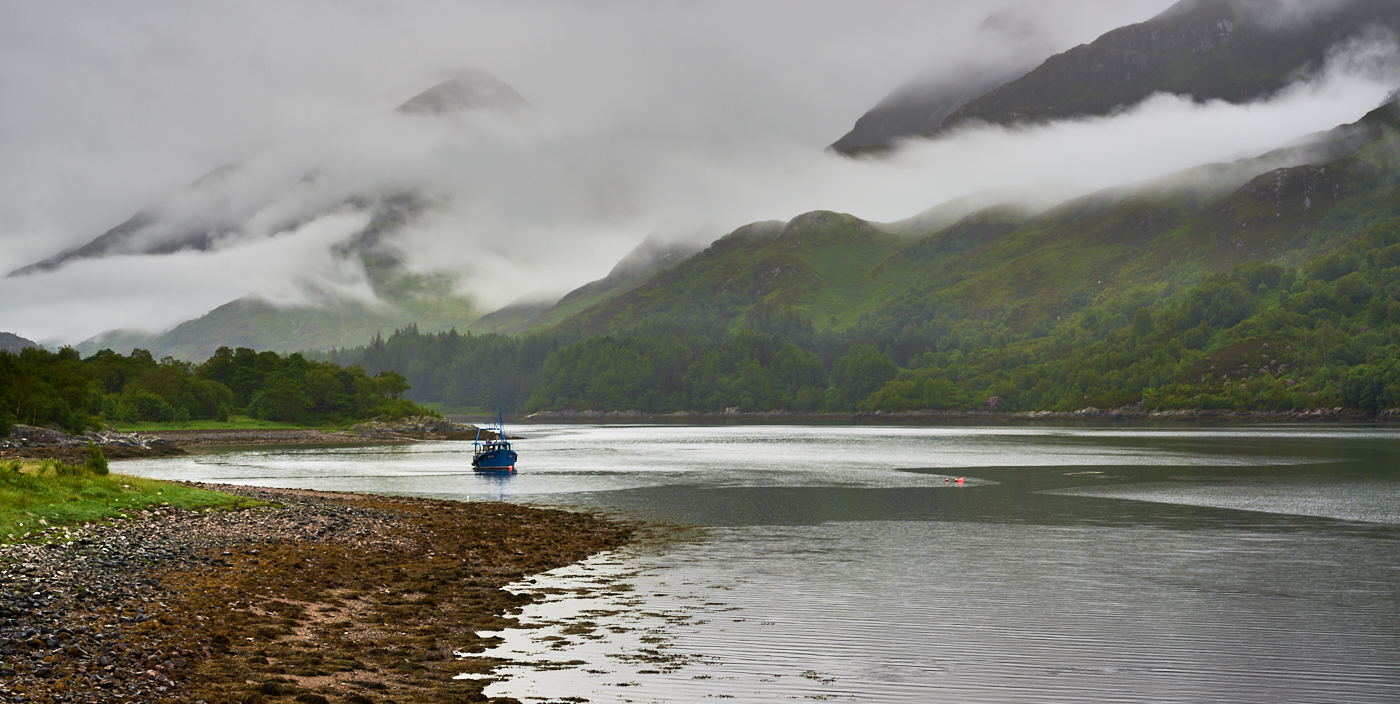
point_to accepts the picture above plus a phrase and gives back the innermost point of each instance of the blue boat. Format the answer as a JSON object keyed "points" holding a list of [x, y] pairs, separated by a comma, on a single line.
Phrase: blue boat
{"points": [[493, 455]]}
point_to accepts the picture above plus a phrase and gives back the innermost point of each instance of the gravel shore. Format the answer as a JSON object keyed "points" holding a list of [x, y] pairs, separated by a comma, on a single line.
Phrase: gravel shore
{"points": [[310, 597]]}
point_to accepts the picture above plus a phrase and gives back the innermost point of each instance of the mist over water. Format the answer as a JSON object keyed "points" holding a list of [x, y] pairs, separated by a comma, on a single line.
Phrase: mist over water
{"points": [[1076, 563]]}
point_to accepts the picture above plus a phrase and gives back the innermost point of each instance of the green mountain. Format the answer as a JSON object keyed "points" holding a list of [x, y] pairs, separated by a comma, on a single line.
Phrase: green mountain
{"points": [[1232, 50], [818, 265], [256, 324], [631, 271], [1222, 288], [1266, 285], [837, 272]]}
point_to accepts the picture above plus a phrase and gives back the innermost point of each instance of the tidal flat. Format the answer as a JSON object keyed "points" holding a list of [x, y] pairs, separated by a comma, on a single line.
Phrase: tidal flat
{"points": [[313, 597]]}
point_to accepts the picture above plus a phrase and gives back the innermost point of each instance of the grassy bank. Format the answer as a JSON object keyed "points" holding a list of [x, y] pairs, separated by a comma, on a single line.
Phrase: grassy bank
{"points": [[38, 495]]}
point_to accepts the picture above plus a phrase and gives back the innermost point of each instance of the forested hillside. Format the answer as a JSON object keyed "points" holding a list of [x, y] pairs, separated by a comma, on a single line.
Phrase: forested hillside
{"points": [[1259, 337], [38, 387], [1277, 291]]}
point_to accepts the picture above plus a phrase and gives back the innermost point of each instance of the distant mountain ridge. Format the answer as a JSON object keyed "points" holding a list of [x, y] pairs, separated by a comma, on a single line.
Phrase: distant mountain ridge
{"points": [[1205, 49]]}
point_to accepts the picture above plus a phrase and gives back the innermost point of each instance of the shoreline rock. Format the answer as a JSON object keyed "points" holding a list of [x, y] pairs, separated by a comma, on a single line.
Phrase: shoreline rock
{"points": [[31, 442], [325, 597]]}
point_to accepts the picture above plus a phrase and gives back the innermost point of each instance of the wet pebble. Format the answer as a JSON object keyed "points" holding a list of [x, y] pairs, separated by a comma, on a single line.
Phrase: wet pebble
{"points": [[80, 608]]}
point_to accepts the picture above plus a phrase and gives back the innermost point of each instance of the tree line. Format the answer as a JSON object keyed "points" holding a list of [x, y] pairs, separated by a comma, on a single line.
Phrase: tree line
{"points": [[39, 387]]}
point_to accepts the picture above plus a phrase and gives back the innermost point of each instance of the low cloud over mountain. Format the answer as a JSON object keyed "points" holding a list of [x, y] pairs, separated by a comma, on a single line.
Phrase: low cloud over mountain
{"points": [[611, 124]]}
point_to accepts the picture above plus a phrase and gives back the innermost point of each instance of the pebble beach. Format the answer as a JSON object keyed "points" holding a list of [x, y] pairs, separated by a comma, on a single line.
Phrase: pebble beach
{"points": [[294, 596]]}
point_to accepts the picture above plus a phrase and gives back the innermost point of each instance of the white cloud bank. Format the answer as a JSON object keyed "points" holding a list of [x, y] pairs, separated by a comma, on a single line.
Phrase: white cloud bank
{"points": [[688, 119]]}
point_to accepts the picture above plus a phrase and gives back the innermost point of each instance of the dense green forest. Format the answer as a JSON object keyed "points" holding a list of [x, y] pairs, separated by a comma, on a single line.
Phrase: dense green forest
{"points": [[1261, 337], [38, 387]]}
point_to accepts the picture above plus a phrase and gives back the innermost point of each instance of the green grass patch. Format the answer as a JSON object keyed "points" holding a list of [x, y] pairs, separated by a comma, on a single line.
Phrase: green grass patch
{"points": [[35, 496]]}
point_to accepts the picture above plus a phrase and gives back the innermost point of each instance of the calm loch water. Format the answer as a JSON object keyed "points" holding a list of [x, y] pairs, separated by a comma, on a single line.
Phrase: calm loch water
{"points": [[1075, 564]]}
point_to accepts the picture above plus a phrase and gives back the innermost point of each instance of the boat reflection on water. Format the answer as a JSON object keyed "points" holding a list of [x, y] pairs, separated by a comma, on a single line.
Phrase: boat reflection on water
{"points": [[495, 482]]}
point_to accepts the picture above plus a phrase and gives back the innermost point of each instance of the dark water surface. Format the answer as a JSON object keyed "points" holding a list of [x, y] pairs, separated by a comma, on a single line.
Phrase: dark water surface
{"points": [[1115, 564]]}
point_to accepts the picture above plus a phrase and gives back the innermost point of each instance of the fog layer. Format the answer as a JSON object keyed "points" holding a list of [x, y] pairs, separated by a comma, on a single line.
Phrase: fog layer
{"points": [[683, 119]]}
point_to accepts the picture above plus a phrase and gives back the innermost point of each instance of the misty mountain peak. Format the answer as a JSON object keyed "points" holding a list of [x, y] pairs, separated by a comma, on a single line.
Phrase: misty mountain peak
{"points": [[10, 342], [1235, 51], [469, 89]]}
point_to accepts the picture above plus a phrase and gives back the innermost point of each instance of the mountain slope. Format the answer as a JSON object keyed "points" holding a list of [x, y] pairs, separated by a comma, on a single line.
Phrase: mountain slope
{"points": [[403, 297], [838, 272], [817, 265], [1105, 244], [630, 272], [470, 89], [1232, 50], [10, 342]]}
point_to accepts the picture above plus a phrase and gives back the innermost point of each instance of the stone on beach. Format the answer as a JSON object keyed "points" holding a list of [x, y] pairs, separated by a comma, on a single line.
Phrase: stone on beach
{"points": [[328, 596]]}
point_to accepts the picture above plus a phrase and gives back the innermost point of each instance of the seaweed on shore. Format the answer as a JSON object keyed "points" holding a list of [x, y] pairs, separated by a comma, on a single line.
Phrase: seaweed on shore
{"points": [[326, 598]]}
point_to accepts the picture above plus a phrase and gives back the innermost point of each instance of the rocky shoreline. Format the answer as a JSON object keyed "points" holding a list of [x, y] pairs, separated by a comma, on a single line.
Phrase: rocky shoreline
{"points": [[310, 597], [30, 442]]}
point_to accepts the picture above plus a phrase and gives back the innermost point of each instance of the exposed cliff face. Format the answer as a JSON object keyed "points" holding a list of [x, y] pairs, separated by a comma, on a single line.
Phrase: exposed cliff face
{"points": [[1232, 50]]}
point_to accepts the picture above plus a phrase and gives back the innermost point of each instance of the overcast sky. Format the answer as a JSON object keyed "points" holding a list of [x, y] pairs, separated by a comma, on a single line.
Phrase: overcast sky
{"points": [[684, 118]]}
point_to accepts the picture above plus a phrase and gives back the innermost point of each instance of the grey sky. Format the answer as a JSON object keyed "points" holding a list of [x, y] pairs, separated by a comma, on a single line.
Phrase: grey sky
{"points": [[685, 118]]}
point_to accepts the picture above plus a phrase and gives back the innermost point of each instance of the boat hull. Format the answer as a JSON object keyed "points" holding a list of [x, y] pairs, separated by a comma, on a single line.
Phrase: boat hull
{"points": [[494, 461]]}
